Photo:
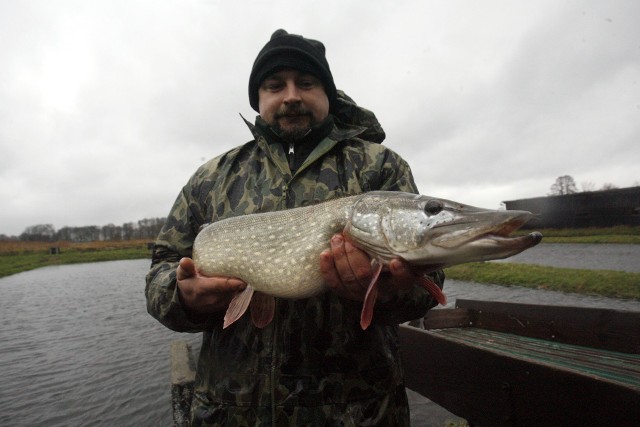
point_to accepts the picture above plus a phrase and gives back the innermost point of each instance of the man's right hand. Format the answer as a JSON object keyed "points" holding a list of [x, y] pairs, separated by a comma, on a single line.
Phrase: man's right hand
{"points": [[203, 295]]}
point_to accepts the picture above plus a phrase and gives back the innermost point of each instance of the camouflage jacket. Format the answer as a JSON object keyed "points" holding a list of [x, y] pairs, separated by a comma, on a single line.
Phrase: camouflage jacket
{"points": [[313, 365]]}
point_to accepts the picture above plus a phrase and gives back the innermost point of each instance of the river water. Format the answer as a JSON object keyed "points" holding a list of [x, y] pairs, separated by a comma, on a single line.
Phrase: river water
{"points": [[582, 256], [77, 347]]}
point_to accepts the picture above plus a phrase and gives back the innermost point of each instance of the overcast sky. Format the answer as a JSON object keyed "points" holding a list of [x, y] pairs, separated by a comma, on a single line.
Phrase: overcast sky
{"points": [[107, 107]]}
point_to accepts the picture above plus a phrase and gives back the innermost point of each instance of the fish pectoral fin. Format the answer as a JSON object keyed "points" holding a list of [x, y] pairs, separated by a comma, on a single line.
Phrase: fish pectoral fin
{"points": [[366, 316], [433, 289], [238, 306], [263, 308]]}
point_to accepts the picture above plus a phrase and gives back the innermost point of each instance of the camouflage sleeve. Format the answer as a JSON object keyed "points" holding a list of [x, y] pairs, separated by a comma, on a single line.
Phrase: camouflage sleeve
{"points": [[174, 242], [414, 303]]}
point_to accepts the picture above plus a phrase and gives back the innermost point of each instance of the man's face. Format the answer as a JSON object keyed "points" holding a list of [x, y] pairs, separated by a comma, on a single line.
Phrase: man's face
{"points": [[291, 101]]}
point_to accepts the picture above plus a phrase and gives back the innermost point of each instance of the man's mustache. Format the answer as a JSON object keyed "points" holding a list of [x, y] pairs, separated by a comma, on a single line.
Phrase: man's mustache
{"points": [[293, 110]]}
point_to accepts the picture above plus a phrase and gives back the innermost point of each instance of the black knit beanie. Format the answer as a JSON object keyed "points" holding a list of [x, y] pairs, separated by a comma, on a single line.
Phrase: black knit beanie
{"points": [[286, 50]]}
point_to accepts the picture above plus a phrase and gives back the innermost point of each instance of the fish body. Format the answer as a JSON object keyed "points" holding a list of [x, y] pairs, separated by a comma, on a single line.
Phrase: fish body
{"points": [[277, 253]]}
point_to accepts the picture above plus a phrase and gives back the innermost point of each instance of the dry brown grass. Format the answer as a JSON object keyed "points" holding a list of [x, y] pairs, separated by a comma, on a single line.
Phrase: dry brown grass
{"points": [[19, 247]]}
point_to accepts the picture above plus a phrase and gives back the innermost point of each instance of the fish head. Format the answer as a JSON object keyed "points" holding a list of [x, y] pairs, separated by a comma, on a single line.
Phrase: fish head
{"points": [[433, 233]]}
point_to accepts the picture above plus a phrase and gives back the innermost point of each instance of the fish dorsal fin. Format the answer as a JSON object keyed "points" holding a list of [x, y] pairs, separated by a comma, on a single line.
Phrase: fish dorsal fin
{"points": [[263, 308], [370, 298], [238, 306], [433, 289]]}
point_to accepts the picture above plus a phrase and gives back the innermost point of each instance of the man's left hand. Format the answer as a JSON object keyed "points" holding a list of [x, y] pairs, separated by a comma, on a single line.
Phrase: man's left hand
{"points": [[347, 271]]}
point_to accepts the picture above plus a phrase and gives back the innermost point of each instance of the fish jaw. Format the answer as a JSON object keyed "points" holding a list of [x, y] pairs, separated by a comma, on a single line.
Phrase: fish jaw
{"points": [[485, 248], [478, 235], [498, 247]]}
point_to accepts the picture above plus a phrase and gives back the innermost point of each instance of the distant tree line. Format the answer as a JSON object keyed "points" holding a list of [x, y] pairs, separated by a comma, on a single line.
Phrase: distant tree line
{"points": [[567, 185], [147, 228]]}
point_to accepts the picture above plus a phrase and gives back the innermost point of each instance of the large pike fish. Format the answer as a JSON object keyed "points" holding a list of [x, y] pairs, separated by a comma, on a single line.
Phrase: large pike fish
{"points": [[278, 253]]}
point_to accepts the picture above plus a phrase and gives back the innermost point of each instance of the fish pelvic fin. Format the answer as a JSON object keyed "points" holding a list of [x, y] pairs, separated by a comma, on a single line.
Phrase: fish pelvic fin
{"points": [[263, 308], [238, 306], [366, 316], [433, 289]]}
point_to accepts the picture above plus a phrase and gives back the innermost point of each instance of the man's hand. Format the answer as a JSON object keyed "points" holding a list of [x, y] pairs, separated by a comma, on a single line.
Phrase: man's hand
{"points": [[202, 295], [347, 271]]}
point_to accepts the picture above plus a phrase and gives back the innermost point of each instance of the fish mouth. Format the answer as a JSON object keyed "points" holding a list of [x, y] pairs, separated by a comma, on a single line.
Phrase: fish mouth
{"points": [[505, 241], [501, 235], [491, 235], [487, 247]]}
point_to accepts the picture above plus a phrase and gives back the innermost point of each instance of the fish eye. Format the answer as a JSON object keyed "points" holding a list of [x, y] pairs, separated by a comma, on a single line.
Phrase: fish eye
{"points": [[433, 207]]}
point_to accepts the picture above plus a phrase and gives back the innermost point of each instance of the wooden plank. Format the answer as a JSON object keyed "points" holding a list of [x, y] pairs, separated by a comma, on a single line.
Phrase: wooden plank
{"points": [[446, 318], [601, 365], [613, 330], [489, 388]]}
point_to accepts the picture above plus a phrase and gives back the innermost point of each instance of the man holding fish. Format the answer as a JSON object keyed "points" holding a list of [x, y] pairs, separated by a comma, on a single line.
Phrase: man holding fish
{"points": [[312, 363]]}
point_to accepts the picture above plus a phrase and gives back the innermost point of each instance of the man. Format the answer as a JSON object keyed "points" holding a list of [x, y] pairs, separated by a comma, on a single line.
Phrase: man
{"points": [[313, 364]]}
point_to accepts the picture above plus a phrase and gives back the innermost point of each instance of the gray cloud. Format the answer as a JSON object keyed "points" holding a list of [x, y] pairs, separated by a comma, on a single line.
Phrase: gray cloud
{"points": [[107, 107]]}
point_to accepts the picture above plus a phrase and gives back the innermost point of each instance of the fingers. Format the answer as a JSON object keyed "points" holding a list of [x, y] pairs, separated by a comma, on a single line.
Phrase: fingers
{"points": [[353, 265], [227, 284], [204, 295], [328, 269], [186, 268], [207, 295], [205, 287], [402, 276], [346, 269]]}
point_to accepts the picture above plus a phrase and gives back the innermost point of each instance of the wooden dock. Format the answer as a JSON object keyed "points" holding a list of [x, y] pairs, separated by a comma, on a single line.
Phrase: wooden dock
{"points": [[518, 364]]}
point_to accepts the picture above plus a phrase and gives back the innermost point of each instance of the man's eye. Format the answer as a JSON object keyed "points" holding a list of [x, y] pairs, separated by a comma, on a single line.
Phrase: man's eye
{"points": [[272, 86], [306, 83]]}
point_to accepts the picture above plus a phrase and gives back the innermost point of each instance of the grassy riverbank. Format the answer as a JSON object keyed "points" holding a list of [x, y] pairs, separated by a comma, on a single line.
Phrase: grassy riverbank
{"points": [[22, 256], [616, 284], [16, 257]]}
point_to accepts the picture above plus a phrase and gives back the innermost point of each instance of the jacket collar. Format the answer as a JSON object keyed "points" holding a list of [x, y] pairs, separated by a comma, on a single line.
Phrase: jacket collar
{"points": [[276, 153]]}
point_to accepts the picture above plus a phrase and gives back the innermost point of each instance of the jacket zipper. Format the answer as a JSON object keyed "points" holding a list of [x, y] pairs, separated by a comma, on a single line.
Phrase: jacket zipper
{"points": [[292, 156], [285, 190]]}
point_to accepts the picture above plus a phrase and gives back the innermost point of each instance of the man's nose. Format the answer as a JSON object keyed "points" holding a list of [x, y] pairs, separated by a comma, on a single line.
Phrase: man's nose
{"points": [[292, 93]]}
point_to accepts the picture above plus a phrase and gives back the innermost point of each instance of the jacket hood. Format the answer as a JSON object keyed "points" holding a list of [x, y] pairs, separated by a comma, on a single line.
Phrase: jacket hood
{"points": [[348, 114]]}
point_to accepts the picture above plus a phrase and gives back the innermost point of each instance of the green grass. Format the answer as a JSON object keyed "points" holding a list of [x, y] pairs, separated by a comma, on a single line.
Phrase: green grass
{"points": [[608, 283], [16, 262]]}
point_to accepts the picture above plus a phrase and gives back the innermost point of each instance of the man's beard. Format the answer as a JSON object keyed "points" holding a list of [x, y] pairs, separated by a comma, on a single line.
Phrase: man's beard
{"points": [[294, 132]]}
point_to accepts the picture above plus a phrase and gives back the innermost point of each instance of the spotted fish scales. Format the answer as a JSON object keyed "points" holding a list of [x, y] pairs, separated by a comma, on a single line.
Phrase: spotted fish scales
{"points": [[274, 252]]}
